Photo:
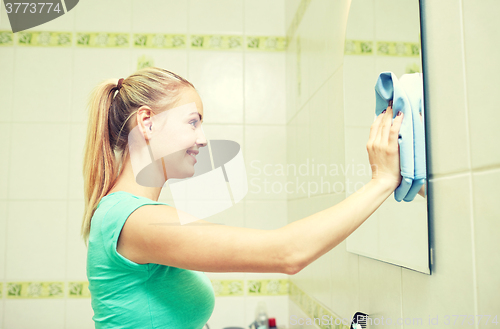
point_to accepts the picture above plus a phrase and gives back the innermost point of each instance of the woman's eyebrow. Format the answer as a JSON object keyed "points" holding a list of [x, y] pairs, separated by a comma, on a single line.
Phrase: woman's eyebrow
{"points": [[201, 117]]}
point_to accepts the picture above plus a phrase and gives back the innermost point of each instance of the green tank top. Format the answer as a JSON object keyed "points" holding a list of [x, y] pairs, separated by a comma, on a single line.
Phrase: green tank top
{"points": [[125, 294]]}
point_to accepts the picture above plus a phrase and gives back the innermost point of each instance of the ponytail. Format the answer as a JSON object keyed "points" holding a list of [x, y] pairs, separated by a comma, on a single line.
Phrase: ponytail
{"points": [[109, 126]]}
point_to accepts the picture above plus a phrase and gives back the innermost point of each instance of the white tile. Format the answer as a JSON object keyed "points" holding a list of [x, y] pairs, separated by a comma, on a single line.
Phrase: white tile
{"points": [[173, 60], [380, 290], [361, 20], [265, 159], [291, 7], [159, 16], [78, 134], [76, 252], [4, 19], [335, 105], [345, 281], [105, 64], [451, 271], [276, 307], [359, 85], [39, 161], [292, 83], [232, 216], [322, 35], [326, 148], [36, 241], [43, 313], [298, 319], [266, 276], [5, 133], [215, 17], [79, 313], [228, 312], [225, 275], [64, 23], [486, 225], [397, 65], [482, 68], [357, 165], [7, 61], [265, 88], [42, 87], [3, 238], [404, 22], [266, 215], [445, 87], [264, 17], [332, 28], [99, 16], [321, 268], [218, 78], [303, 152]]}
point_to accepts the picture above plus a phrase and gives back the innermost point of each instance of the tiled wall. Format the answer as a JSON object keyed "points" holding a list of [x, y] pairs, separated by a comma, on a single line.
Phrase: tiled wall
{"points": [[461, 51], [233, 51]]}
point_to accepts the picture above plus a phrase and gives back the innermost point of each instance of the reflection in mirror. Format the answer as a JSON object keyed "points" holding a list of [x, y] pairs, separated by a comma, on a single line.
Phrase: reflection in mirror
{"points": [[382, 36]]}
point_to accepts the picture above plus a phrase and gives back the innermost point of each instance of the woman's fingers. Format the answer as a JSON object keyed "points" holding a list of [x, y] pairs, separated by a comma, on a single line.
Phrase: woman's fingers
{"points": [[386, 125], [374, 129], [394, 132]]}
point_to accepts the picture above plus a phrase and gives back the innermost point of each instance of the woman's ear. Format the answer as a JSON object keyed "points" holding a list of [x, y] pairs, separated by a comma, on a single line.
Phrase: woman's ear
{"points": [[144, 122]]}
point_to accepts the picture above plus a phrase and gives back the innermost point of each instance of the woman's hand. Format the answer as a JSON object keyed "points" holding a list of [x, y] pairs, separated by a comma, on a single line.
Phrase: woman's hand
{"points": [[383, 149]]}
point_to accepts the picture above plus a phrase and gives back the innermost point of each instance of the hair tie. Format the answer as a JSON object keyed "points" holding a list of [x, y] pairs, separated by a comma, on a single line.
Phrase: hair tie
{"points": [[119, 85]]}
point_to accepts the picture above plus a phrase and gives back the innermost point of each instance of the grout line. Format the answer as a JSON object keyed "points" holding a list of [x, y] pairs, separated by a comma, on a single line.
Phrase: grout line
{"points": [[313, 94], [471, 190], [7, 208]]}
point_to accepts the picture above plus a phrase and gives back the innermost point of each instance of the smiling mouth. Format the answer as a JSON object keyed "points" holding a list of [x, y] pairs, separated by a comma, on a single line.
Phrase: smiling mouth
{"points": [[192, 155]]}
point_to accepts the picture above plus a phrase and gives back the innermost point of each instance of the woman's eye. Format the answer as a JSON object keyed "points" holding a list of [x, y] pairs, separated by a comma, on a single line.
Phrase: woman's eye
{"points": [[195, 121]]}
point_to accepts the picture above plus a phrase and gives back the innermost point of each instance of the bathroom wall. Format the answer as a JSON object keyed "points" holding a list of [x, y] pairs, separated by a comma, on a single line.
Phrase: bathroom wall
{"points": [[461, 52], [233, 51]]}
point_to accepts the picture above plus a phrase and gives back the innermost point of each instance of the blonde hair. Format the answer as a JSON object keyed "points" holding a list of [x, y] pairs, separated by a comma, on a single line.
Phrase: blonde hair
{"points": [[108, 128]]}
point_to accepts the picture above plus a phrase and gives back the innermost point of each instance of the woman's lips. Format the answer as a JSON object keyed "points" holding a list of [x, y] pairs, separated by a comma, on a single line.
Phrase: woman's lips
{"points": [[192, 156]]}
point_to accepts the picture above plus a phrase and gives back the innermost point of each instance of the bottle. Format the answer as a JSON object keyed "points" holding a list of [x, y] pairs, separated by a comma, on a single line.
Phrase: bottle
{"points": [[261, 318]]}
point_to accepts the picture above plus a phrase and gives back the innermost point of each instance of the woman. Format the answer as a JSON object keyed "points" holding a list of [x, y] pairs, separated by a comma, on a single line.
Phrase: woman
{"points": [[144, 268]]}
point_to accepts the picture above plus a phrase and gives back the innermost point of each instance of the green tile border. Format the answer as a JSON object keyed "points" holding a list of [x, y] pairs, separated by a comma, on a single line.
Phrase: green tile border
{"points": [[313, 309], [159, 40], [6, 38], [266, 43], [382, 48], [216, 42], [102, 40], [394, 48], [142, 40], [265, 287], [222, 288], [80, 289], [45, 39], [358, 47], [34, 290]]}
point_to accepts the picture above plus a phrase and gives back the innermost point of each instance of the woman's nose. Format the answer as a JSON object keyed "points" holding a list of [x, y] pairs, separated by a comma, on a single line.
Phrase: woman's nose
{"points": [[201, 139]]}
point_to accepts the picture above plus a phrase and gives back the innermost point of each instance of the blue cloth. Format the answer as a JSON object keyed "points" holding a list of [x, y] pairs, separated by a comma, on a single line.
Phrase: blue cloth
{"points": [[406, 94]]}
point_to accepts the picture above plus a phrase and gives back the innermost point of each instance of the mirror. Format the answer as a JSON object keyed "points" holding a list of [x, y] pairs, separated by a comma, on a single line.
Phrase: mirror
{"points": [[382, 36]]}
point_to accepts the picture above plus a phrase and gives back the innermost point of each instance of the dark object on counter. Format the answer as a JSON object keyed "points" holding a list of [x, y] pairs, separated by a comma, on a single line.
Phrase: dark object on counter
{"points": [[359, 320]]}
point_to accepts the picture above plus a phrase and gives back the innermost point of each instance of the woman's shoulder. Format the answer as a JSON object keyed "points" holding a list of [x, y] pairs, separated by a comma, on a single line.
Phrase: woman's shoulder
{"points": [[122, 196]]}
